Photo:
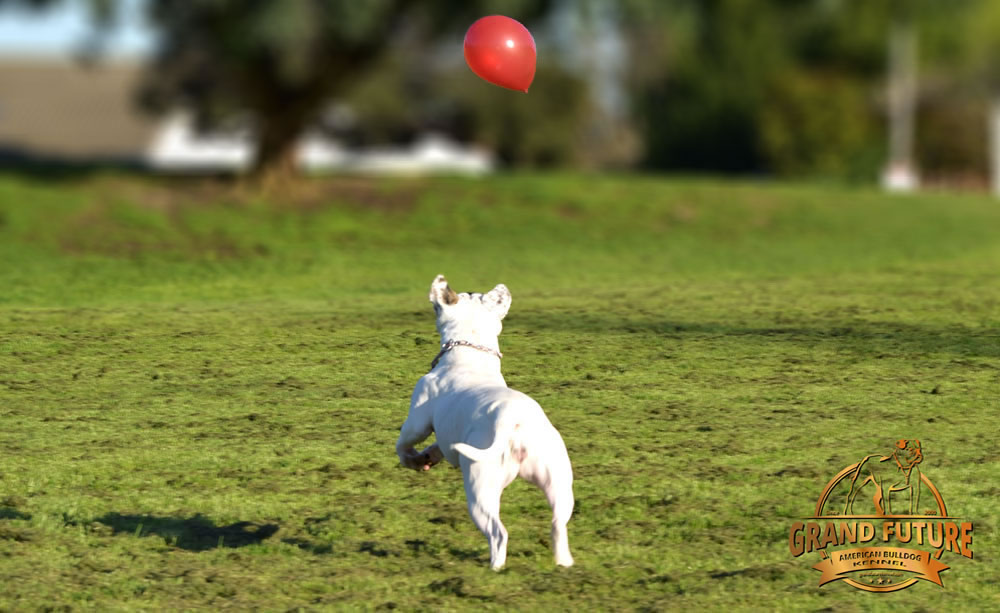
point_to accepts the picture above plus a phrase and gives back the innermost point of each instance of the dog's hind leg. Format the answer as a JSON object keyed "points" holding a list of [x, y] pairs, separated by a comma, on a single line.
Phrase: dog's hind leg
{"points": [[556, 482], [561, 501], [483, 485]]}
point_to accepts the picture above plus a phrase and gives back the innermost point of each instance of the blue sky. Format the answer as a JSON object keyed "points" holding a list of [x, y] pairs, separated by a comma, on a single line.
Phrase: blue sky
{"points": [[61, 30]]}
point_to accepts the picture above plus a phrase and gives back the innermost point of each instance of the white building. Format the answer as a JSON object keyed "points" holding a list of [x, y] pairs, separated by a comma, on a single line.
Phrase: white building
{"points": [[177, 146]]}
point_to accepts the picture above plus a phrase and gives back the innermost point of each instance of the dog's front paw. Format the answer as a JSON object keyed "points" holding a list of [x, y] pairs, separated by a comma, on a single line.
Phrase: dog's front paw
{"points": [[412, 459], [427, 461], [434, 455], [419, 461]]}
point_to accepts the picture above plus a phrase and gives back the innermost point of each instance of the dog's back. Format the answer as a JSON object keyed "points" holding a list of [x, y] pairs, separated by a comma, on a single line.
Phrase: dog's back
{"points": [[478, 417]]}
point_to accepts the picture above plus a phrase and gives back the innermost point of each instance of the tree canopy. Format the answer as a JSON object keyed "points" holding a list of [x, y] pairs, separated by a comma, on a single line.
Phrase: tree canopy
{"points": [[282, 62]]}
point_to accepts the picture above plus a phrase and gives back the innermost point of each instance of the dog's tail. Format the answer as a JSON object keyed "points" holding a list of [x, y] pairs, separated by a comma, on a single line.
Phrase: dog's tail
{"points": [[500, 444]]}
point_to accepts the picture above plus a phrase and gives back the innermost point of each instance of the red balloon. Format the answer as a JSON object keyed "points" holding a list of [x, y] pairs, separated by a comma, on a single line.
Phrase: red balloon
{"points": [[501, 51]]}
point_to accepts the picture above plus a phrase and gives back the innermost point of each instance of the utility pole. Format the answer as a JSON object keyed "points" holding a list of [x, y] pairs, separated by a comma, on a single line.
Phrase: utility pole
{"points": [[900, 174]]}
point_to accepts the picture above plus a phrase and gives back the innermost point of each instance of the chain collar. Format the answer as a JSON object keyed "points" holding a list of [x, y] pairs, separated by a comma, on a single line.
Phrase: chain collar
{"points": [[448, 346]]}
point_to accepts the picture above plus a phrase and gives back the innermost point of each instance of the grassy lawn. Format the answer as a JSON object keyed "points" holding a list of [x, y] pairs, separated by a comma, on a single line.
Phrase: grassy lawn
{"points": [[200, 388]]}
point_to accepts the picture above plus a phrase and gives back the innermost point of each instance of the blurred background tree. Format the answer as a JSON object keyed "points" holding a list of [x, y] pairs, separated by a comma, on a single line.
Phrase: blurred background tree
{"points": [[401, 100], [959, 116], [758, 86], [281, 63]]}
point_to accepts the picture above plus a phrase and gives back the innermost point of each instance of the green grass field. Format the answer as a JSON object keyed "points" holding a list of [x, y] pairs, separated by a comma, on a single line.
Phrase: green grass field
{"points": [[200, 388]]}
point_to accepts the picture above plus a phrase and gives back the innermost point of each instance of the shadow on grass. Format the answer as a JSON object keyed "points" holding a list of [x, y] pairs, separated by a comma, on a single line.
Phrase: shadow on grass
{"points": [[9, 513], [311, 547], [465, 554], [871, 337], [455, 586], [17, 162], [195, 533]]}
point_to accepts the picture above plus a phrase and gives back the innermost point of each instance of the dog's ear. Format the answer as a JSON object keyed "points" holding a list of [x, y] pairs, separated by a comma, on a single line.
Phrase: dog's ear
{"points": [[441, 294], [498, 300]]}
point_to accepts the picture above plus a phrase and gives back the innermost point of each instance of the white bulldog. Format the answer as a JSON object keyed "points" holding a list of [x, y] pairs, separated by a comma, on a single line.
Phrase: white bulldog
{"points": [[493, 433]]}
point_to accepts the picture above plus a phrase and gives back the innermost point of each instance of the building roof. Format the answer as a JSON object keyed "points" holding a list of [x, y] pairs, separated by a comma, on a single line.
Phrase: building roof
{"points": [[60, 110]]}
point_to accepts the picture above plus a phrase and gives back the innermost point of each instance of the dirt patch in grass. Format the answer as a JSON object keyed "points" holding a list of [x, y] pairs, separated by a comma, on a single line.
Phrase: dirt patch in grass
{"points": [[306, 194]]}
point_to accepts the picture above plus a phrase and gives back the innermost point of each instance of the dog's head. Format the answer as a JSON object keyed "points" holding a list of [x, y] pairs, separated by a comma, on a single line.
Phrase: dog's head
{"points": [[472, 317], [910, 449]]}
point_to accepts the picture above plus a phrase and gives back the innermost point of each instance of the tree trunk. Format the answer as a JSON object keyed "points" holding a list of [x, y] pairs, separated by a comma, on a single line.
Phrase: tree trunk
{"points": [[275, 165]]}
